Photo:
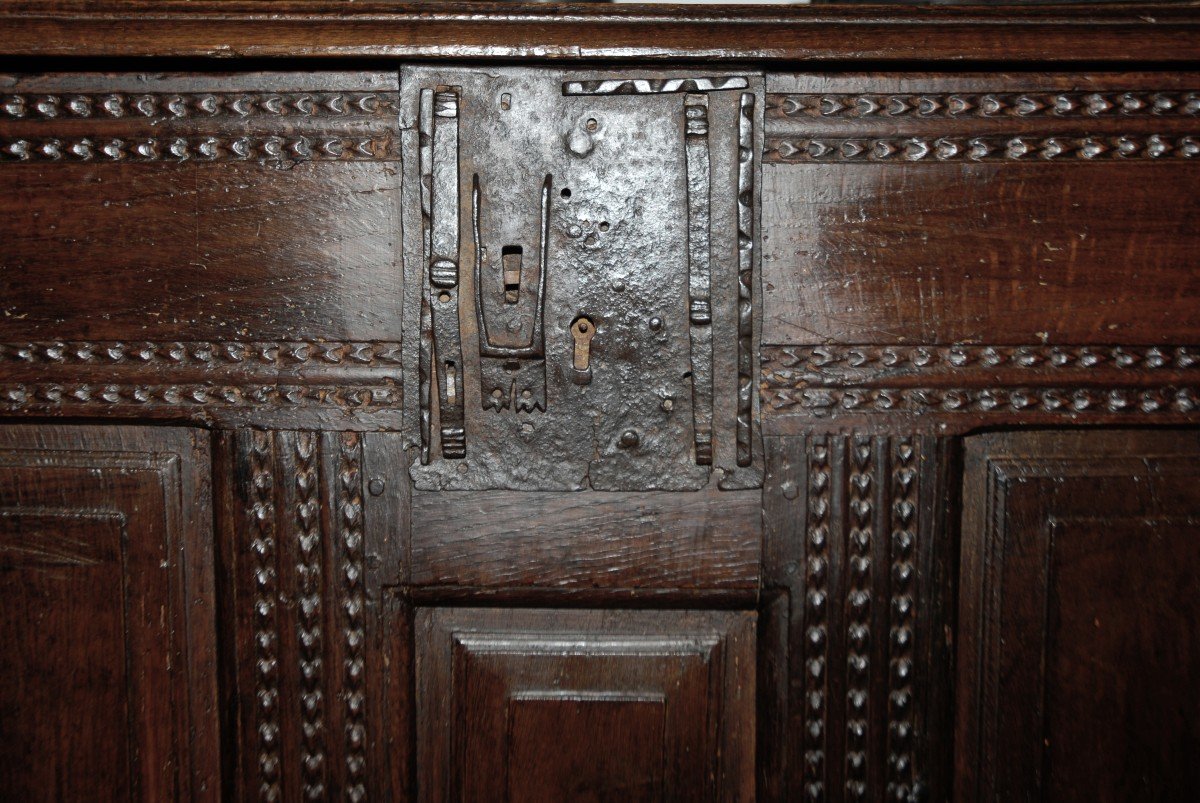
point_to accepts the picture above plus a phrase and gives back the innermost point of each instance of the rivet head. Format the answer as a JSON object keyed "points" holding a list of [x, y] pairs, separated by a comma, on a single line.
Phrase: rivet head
{"points": [[655, 324], [375, 487], [628, 439]]}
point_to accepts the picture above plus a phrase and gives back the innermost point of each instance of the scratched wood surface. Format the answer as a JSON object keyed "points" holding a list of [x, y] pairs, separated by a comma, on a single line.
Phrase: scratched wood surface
{"points": [[536, 31], [109, 676], [976, 301]]}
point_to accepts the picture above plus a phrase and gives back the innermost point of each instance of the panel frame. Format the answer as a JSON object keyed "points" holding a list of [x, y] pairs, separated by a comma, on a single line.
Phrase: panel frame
{"points": [[994, 464], [720, 646], [179, 459]]}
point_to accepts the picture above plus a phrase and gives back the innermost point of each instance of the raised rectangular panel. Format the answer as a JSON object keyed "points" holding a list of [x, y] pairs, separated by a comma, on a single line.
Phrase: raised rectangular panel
{"points": [[1079, 616], [1002, 209], [541, 705], [108, 674]]}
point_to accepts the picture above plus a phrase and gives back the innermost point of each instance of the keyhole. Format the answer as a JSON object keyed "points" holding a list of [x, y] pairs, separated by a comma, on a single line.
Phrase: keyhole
{"points": [[582, 331]]}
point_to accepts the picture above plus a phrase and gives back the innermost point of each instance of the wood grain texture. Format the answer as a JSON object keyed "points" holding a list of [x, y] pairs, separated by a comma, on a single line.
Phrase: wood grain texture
{"points": [[1164, 33], [923, 254], [183, 249], [673, 688], [957, 388], [606, 543], [199, 253], [1072, 254], [1075, 660], [210, 382], [201, 216], [201, 247], [106, 579]]}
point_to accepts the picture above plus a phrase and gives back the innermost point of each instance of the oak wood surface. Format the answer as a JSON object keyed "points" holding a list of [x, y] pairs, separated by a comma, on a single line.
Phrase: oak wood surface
{"points": [[325, 29], [937, 245], [651, 705], [619, 542], [108, 676], [1076, 645], [968, 219]]}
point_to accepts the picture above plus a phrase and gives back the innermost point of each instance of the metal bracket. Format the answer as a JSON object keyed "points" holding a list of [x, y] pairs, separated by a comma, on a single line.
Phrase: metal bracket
{"points": [[442, 358]]}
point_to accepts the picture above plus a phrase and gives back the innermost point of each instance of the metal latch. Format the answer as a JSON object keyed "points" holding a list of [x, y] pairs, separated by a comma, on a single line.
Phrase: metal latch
{"points": [[580, 267]]}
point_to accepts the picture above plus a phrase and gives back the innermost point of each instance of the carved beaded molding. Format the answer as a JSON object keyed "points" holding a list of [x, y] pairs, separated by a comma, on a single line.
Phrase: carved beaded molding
{"points": [[990, 148], [264, 546], [200, 149], [986, 104], [207, 353], [55, 394], [1061, 379], [1065, 400], [198, 113], [349, 518], [861, 552], [816, 618], [261, 387], [310, 571], [861, 474], [203, 105], [781, 361], [903, 610]]}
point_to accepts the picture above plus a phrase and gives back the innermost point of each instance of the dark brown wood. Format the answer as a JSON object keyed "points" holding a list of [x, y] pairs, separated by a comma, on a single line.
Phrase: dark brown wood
{"points": [[857, 540], [109, 674], [543, 540], [949, 250], [545, 705], [617, 543], [1080, 556], [981, 249], [304, 540], [225, 28], [211, 247]]}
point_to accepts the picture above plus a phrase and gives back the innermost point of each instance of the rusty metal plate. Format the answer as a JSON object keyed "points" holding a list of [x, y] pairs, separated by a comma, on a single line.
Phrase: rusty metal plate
{"points": [[580, 278]]}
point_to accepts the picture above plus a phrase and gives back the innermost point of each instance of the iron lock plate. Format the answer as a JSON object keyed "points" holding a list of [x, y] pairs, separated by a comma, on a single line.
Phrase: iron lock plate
{"points": [[580, 277]]}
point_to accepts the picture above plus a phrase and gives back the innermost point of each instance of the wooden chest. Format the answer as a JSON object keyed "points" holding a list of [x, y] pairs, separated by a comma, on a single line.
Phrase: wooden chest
{"points": [[534, 403]]}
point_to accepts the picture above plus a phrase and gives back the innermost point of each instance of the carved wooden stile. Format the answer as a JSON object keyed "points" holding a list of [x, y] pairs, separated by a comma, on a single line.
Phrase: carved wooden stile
{"points": [[302, 588]]}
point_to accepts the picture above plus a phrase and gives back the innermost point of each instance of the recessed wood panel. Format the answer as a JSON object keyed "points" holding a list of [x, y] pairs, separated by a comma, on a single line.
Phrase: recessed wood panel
{"points": [[1081, 556], [108, 679], [541, 705], [52, 583]]}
